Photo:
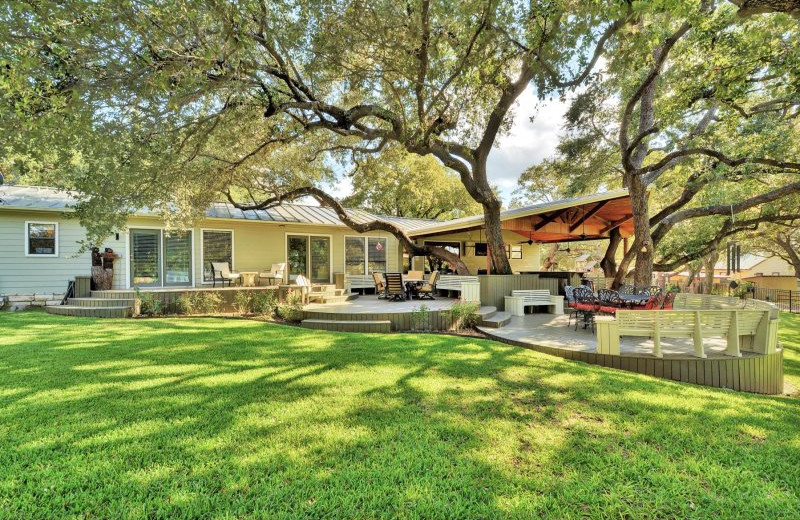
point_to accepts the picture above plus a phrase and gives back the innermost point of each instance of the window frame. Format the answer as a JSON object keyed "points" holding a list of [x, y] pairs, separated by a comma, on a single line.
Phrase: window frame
{"points": [[27, 237], [202, 252], [365, 240]]}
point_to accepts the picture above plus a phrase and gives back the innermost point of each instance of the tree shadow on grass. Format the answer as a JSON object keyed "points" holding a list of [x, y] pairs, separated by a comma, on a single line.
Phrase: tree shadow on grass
{"points": [[138, 418]]}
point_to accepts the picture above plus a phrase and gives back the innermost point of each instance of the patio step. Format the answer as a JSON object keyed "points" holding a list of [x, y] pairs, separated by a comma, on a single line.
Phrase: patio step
{"points": [[348, 325], [496, 320], [114, 295], [100, 302], [487, 311], [90, 312]]}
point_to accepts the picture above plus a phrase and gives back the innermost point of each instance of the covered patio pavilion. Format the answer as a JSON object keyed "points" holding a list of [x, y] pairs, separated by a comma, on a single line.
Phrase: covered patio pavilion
{"points": [[591, 217]]}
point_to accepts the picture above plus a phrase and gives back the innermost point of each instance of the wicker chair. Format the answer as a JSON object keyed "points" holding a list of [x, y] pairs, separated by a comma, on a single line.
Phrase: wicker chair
{"points": [[427, 289], [380, 284], [394, 287]]}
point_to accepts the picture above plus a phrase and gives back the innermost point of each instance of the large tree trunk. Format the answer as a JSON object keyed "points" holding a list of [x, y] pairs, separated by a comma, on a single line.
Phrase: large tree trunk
{"points": [[609, 261], [494, 237], [637, 191], [643, 273]]}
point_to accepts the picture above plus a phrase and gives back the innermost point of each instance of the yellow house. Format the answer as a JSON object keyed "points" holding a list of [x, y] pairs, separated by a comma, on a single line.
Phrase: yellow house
{"points": [[40, 242]]}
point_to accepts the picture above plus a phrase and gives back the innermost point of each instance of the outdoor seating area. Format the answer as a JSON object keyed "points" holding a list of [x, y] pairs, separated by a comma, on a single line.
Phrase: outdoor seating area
{"points": [[414, 285], [585, 304]]}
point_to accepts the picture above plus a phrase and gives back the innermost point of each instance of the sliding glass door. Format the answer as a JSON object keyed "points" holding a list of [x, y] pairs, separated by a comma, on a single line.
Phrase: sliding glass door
{"points": [[310, 256], [160, 259]]}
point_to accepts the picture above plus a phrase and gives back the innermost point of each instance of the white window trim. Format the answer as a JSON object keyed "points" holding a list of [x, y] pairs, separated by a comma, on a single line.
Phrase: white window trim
{"points": [[27, 239], [365, 239], [286, 236], [202, 260], [161, 251]]}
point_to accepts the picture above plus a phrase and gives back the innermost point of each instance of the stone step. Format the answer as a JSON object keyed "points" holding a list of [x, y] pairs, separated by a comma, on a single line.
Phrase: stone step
{"points": [[100, 302], [487, 311], [496, 320], [348, 325], [114, 295], [90, 312]]}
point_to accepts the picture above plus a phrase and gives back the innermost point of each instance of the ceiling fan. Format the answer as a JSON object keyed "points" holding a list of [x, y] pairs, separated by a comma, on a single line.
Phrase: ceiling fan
{"points": [[529, 241]]}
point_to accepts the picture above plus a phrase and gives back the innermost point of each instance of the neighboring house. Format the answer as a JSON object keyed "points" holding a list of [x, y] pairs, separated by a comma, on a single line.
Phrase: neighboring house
{"points": [[770, 272], [40, 243]]}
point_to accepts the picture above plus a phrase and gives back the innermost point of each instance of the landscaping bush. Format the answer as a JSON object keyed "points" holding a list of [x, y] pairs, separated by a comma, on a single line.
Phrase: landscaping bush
{"points": [[200, 303], [264, 303], [421, 318], [464, 315], [291, 309], [243, 302], [149, 303]]}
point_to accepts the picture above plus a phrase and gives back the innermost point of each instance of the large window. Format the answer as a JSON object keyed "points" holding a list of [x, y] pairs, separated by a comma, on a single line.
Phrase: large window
{"points": [[376, 255], [310, 256], [365, 255], [354, 257], [41, 239], [217, 247]]}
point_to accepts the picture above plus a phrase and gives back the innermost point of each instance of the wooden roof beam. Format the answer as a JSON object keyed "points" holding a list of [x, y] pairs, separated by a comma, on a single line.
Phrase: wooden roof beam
{"points": [[587, 215], [616, 224], [548, 218]]}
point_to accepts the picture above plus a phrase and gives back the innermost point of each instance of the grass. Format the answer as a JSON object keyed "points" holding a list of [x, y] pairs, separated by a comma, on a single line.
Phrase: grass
{"points": [[212, 418]]}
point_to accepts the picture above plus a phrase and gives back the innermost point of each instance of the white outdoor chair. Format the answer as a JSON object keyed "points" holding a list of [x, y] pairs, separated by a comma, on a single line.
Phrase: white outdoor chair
{"points": [[221, 271], [275, 274]]}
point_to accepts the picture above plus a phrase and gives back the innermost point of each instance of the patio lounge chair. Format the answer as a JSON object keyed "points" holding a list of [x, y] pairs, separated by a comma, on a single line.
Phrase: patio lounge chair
{"points": [[426, 291], [274, 275], [394, 287], [221, 271], [380, 284]]}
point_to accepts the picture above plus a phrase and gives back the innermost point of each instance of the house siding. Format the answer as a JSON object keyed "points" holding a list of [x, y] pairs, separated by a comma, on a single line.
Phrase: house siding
{"points": [[258, 245], [26, 275]]}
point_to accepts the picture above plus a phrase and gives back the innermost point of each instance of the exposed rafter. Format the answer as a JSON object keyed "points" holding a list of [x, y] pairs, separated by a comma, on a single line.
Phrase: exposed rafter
{"points": [[548, 218], [616, 224], [587, 215]]}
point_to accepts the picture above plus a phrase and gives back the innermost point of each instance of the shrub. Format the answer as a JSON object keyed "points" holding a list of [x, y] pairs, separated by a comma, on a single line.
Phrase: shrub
{"points": [[464, 315], [264, 303], [291, 309], [186, 304], [243, 302], [209, 302], [200, 303], [149, 303], [421, 318]]}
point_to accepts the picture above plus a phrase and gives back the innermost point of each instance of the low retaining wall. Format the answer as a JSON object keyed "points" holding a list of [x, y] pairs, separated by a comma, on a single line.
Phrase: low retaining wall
{"points": [[23, 301], [401, 321], [758, 374]]}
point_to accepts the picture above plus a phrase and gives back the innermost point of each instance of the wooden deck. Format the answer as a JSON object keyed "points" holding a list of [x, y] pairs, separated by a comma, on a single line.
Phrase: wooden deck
{"points": [[547, 333]]}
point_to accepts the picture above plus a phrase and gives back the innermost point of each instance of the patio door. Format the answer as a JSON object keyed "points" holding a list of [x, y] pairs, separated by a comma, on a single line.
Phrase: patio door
{"points": [[309, 255], [159, 259]]}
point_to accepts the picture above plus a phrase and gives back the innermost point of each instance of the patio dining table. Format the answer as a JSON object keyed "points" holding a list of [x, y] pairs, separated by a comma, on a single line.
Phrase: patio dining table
{"points": [[411, 285]]}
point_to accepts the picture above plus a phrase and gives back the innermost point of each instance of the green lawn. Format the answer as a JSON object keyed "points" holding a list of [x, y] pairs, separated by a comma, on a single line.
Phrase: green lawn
{"points": [[212, 418]]}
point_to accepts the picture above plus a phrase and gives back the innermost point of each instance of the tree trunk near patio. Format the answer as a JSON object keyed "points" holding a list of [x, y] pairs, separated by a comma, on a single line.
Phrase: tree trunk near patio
{"points": [[609, 262], [494, 236]]}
